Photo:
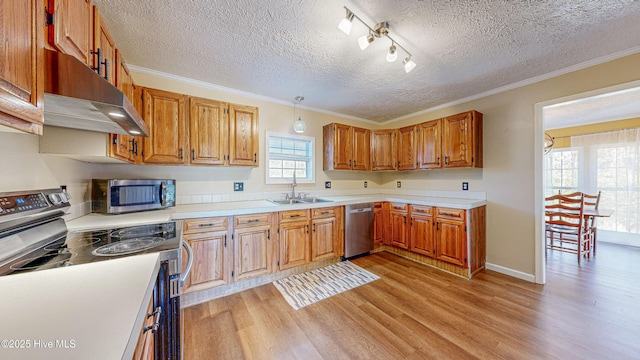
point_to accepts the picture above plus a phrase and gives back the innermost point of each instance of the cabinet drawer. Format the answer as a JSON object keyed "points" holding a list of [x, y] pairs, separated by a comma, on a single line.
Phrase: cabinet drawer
{"points": [[294, 215], [323, 212], [252, 220], [454, 214], [205, 224], [398, 207], [422, 209]]}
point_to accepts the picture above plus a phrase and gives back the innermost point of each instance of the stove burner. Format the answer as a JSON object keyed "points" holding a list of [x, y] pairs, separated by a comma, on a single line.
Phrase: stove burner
{"points": [[49, 260], [128, 246], [85, 241]]}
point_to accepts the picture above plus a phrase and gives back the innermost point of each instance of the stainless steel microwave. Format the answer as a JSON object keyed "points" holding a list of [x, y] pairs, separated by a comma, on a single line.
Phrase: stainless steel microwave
{"points": [[118, 196]]}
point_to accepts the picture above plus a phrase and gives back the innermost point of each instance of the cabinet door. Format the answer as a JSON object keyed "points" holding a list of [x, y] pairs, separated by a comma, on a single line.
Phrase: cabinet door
{"points": [[398, 229], [165, 114], [407, 148], [22, 65], [71, 31], [253, 252], [323, 236], [361, 149], [458, 144], [208, 131], [342, 147], [103, 42], [243, 135], [430, 144], [294, 244], [383, 150], [422, 235], [122, 146], [379, 225], [451, 242], [211, 265]]}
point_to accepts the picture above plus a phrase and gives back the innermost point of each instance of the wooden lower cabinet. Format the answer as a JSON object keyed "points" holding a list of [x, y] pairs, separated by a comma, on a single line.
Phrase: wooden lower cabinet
{"points": [[146, 341], [422, 230], [209, 239], [380, 223], [253, 246], [398, 225], [325, 229], [451, 236], [294, 244]]}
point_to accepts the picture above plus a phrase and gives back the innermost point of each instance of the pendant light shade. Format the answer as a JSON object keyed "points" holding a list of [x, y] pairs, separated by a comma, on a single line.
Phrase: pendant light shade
{"points": [[392, 55], [408, 64], [346, 23], [365, 40], [299, 126]]}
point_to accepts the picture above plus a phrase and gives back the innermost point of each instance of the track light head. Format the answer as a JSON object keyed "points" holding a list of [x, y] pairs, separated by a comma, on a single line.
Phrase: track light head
{"points": [[408, 64], [392, 55], [365, 40], [346, 23]]}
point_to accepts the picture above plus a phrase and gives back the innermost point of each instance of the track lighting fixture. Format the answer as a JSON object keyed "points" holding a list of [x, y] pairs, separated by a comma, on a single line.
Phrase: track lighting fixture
{"points": [[346, 23], [381, 30], [298, 126]]}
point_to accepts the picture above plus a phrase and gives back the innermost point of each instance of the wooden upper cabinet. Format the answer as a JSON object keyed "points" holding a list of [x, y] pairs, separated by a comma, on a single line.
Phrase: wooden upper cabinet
{"points": [[104, 44], [338, 147], [407, 148], [462, 140], [208, 131], [361, 149], [243, 135], [124, 147], [429, 144], [22, 65], [69, 28], [166, 115], [346, 147], [383, 149]]}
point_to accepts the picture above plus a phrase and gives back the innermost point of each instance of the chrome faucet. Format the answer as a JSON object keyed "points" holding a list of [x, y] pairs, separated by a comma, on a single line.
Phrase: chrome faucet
{"points": [[293, 187]]}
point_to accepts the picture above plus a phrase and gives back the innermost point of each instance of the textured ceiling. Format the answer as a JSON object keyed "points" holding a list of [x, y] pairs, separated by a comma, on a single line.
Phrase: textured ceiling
{"points": [[281, 49]]}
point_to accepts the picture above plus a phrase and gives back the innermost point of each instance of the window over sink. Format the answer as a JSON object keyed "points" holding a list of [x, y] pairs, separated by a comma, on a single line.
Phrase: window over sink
{"points": [[286, 154]]}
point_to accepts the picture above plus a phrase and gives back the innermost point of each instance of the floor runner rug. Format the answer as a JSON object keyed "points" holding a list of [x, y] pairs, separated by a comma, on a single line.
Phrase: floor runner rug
{"points": [[312, 286]]}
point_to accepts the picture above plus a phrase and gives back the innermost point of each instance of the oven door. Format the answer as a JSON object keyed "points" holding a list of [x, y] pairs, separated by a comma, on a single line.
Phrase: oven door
{"points": [[140, 195]]}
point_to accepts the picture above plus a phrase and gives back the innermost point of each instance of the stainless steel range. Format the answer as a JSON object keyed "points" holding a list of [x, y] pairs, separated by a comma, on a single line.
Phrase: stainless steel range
{"points": [[34, 237]]}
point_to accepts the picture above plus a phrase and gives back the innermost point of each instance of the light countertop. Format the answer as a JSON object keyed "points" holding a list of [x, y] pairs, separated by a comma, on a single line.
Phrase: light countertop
{"points": [[90, 311], [191, 211]]}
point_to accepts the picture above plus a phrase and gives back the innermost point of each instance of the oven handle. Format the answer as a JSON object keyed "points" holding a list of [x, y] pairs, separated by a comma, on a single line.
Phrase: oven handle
{"points": [[187, 269]]}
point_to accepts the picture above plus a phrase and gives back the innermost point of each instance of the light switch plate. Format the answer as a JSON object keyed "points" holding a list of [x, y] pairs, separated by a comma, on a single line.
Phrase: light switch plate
{"points": [[465, 186], [327, 184], [238, 186], [398, 184]]}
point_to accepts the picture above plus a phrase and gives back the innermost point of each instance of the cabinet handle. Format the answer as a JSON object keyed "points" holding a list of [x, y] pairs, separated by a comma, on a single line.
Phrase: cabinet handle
{"points": [[135, 143], [98, 53], [295, 216], [180, 154], [325, 212], [307, 228], [446, 160], [253, 220], [156, 320], [314, 227], [437, 226], [268, 234], [349, 162], [209, 225], [132, 149], [106, 69], [225, 240], [255, 158], [193, 154], [438, 160]]}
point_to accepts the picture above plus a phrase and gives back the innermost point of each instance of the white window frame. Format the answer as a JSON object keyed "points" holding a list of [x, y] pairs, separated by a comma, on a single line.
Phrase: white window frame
{"points": [[311, 178]]}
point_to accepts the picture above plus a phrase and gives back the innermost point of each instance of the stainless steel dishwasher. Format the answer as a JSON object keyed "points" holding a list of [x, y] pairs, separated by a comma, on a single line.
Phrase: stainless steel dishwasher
{"points": [[358, 239]]}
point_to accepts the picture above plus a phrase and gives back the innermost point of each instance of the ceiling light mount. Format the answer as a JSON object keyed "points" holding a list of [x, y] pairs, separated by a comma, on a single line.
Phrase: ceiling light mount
{"points": [[381, 30]]}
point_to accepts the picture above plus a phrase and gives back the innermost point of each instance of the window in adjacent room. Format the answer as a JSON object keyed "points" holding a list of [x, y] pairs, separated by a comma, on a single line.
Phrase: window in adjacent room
{"points": [[287, 153]]}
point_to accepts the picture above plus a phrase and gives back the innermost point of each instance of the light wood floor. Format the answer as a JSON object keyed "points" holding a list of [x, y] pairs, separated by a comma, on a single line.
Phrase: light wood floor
{"points": [[415, 312]]}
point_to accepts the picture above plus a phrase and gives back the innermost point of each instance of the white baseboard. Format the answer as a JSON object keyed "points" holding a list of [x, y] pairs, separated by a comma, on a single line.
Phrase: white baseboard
{"points": [[508, 271]]}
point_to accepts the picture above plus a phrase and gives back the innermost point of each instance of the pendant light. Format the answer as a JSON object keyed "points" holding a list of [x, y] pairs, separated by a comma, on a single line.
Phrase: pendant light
{"points": [[298, 126]]}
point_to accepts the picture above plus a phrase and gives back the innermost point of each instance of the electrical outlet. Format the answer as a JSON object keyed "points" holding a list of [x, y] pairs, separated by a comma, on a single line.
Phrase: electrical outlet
{"points": [[238, 186], [366, 184], [465, 186], [398, 184], [327, 184], [63, 188]]}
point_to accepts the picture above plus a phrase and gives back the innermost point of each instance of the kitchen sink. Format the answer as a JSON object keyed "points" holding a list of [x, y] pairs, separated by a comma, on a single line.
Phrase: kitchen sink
{"points": [[314, 200], [309, 200]]}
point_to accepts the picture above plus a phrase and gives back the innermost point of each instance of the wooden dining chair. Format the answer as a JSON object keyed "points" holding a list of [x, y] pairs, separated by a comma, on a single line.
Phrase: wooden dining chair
{"points": [[590, 202], [565, 226]]}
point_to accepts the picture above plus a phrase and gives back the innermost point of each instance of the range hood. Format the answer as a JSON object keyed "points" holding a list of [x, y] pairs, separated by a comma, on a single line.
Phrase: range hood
{"points": [[77, 97]]}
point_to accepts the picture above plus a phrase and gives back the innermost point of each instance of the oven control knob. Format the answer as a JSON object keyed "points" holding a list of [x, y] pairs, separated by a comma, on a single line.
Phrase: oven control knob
{"points": [[65, 196], [54, 198]]}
